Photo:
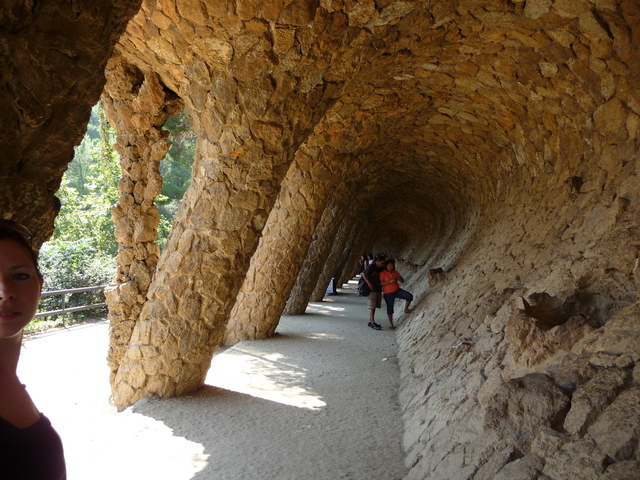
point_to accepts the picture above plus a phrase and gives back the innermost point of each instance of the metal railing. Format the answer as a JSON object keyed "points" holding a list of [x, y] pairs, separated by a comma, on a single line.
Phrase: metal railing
{"points": [[64, 308]]}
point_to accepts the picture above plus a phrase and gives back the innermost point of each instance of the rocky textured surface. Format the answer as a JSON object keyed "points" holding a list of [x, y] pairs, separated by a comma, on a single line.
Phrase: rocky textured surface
{"points": [[247, 139], [137, 106], [282, 248], [491, 147], [53, 56]]}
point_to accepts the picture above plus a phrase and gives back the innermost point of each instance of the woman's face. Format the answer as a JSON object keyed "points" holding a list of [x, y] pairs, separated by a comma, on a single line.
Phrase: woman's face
{"points": [[390, 267], [20, 286]]}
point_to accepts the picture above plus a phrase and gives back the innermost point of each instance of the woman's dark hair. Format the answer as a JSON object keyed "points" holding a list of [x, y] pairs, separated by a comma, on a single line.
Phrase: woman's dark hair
{"points": [[391, 260], [11, 230]]}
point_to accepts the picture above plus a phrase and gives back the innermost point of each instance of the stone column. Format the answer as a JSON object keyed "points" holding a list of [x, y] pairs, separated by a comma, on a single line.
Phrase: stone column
{"points": [[236, 177], [282, 248], [200, 272], [349, 258], [319, 249], [344, 204], [330, 264], [349, 263], [255, 91], [137, 106]]}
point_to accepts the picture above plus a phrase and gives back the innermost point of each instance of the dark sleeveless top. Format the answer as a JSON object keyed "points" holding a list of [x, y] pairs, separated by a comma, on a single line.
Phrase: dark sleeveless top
{"points": [[32, 453]]}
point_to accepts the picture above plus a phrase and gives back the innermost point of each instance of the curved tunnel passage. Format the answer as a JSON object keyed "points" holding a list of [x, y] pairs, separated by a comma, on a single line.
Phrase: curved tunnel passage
{"points": [[458, 156], [518, 123], [427, 217], [433, 198]]}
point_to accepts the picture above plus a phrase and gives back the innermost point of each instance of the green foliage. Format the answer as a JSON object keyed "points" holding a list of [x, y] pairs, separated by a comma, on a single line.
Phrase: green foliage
{"points": [[75, 264], [83, 247], [66, 265], [81, 252], [175, 169], [89, 189]]}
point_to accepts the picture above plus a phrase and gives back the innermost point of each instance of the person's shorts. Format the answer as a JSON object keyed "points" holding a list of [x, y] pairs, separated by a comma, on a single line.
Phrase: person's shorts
{"points": [[374, 300]]}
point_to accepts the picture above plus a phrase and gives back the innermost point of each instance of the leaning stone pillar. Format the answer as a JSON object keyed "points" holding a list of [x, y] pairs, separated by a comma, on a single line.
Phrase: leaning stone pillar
{"points": [[255, 92], [282, 248], [348, 258], [329, 266], [316, 256], [236, 178], [137, 107], [198, 276], [349, 262]]}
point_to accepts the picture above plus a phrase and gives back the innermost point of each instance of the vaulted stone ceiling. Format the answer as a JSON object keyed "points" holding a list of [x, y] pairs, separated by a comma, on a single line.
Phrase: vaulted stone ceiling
{"points": [[492, 146]]}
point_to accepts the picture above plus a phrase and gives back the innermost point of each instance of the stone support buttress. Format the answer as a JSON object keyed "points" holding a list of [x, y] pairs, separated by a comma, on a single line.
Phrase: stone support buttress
{"points": [[282, 248], [256, 82], [331, 262], [316, 255], [137, 106], [200, 272], [351, 256]]}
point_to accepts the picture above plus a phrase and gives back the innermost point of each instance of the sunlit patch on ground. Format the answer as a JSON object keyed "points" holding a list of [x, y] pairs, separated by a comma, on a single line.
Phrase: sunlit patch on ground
{"points": [[263, 376], [67, 377], [297, 405], [324, 309]]}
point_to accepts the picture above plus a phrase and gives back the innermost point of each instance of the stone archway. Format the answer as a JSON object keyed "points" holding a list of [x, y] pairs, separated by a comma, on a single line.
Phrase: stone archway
{"points": [[255, 88], [510, 129]]}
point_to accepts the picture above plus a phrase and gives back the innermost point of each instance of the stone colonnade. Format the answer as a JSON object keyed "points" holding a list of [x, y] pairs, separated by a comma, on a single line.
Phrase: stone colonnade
{"points": [[254, 99], [508, 131], [314, 260], [283, 245], [332, 261]]}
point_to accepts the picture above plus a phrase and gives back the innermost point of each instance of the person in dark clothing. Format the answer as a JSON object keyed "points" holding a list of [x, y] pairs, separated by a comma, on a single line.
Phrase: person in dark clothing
{"points": [[29, 446], [371, 275], [362, 264]]}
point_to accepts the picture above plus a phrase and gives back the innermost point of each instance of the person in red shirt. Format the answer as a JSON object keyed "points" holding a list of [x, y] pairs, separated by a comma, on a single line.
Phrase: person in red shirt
{"points": [[389, 279]]}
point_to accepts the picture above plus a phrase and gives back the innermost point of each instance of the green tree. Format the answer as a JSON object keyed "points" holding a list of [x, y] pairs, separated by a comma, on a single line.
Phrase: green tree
{"points": [[83, 247], [89, 189], [175, 169]]}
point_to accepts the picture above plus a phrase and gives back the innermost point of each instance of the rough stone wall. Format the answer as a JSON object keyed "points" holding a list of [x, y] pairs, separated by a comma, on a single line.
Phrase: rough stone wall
{"points": [[546, 387], [53, 56], [521, 362], [137, 106]]}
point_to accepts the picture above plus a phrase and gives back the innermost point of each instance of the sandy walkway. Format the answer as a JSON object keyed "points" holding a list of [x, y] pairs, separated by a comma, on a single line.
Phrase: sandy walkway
{"points": [[317, 401]]}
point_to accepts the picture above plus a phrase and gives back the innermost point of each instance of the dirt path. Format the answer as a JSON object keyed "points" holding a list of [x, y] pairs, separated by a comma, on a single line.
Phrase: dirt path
{"points": [[317, 401]]}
